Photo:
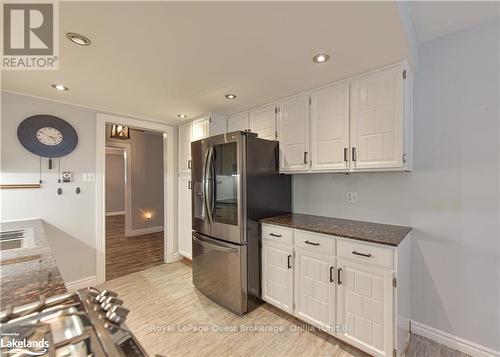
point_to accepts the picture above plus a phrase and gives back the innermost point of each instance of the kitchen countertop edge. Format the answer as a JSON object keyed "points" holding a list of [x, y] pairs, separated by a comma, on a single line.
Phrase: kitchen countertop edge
{"points": [[393, 236]]}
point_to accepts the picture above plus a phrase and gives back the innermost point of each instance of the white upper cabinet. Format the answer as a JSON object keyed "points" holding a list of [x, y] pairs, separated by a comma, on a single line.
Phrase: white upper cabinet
{"points": [[330, 128], [238, 122], [363, 123], [200, 128], [293, 134], [263, 122], [380, 114], [218, 124], [185, 148]]}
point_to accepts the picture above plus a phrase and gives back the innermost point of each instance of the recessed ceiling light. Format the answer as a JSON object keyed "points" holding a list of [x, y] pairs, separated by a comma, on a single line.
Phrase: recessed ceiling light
{"points": [[321, 58], [231, 96], [60, 87], [182, 116], [78, 39]]}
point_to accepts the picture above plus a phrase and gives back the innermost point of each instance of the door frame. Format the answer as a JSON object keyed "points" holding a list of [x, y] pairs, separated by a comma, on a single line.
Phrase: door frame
{"points": [[170, 253]]}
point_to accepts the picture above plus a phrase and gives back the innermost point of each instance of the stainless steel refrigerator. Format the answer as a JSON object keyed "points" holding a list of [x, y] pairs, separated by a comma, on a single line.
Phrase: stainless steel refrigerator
{"points": [[235, 184]]}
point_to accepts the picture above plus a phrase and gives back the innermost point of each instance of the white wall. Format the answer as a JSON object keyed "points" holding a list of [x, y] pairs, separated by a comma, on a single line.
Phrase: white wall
{"points": [[452, 198], [115, 182], [70, 217]]}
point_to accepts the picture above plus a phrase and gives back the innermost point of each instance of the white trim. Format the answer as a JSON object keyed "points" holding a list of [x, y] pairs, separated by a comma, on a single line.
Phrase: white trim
{"points": [[81, 283], [118, 213], [115, 151], [141, 231], [103, 111], [169, 184], [452, 341]]}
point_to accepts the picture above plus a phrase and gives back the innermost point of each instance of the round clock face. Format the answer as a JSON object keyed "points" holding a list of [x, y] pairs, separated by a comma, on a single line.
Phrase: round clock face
{"points": [[49, 136]]}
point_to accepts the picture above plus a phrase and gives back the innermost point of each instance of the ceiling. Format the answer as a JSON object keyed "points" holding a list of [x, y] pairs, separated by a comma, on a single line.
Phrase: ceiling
{"points": [[433, 19], [160, 59]]}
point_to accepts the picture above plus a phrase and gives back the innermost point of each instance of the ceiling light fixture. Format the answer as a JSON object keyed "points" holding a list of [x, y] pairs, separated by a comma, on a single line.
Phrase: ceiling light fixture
{"points": [[78, 39], [60, 87], [231, 96], [119, 132], [321, 58], [182, 116]]}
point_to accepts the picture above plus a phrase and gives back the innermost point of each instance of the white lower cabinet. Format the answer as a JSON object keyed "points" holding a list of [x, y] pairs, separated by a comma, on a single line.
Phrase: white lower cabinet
{"points": [[345, 287], [277, 272], [364, 306], [315, 289]]}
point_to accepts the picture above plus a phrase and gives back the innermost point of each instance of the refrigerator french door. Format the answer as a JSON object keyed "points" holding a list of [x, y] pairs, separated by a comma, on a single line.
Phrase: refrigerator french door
{"points": [[235, 184], [218, 175]]}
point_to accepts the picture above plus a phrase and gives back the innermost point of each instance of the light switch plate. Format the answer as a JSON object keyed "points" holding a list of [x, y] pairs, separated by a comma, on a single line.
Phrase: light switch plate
{"points": [[88, 177], [351, 197]]}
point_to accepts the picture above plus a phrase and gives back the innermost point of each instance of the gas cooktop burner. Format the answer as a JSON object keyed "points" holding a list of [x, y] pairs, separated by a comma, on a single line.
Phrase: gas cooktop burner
{"points": [[86, 323]]}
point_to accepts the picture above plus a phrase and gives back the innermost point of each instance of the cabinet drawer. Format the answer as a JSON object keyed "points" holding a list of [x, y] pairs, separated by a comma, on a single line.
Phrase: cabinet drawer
{"points": [[315, 242], [277, 234], [367, 253]]}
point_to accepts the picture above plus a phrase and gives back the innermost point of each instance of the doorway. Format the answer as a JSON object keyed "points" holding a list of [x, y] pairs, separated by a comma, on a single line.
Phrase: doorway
{"points": [[134, 176], [133, 201]]}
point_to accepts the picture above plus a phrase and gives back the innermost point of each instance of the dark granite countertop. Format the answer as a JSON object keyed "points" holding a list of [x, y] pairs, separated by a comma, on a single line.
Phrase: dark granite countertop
{"points": [[27, 273], [359, 230]]}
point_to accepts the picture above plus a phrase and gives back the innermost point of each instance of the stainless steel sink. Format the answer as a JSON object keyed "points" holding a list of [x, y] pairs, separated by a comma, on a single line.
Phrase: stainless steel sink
{"points": [[15, 239]]}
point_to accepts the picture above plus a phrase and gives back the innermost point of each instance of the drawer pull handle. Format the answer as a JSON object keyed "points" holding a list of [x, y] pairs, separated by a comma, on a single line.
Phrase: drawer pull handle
{"points": [[289, 261], [275, 235], [338, 276], [331, 274], [362, 254], [311, 243]]}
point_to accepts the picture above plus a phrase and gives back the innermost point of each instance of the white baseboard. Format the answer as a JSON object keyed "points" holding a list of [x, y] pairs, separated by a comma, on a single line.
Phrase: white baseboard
{"points": [[118, 213], [141, 231], [452, 341], [82, 283], [177, 257]]}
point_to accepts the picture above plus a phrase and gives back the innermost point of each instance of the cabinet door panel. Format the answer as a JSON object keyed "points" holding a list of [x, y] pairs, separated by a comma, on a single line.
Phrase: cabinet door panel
{"points": [[330, 128], [277, 275], [200, 129], [365, 298], [377, 120], [184, 147], [314, 292], [293, 134], [238, 122], [263, 122], [185, 223]]}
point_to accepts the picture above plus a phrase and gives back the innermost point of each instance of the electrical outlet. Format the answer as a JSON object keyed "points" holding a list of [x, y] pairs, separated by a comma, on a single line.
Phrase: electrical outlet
{"points": [[351, 197]]}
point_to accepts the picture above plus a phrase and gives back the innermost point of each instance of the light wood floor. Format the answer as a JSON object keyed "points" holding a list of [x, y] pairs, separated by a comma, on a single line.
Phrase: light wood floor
{"points": [[163, 297], [126, 255]]}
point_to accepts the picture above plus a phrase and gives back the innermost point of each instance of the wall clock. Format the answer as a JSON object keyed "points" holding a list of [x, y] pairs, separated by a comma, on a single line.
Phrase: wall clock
{"points": [[47, 136]]}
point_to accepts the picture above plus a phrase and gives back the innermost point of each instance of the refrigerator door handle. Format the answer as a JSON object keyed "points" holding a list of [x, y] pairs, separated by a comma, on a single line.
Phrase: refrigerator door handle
{"points": [[215, 246], [206, 183], [213, 179]]}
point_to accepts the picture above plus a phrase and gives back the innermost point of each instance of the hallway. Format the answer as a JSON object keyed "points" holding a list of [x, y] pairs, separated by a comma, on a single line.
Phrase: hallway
{"points": [[126, 255]]}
